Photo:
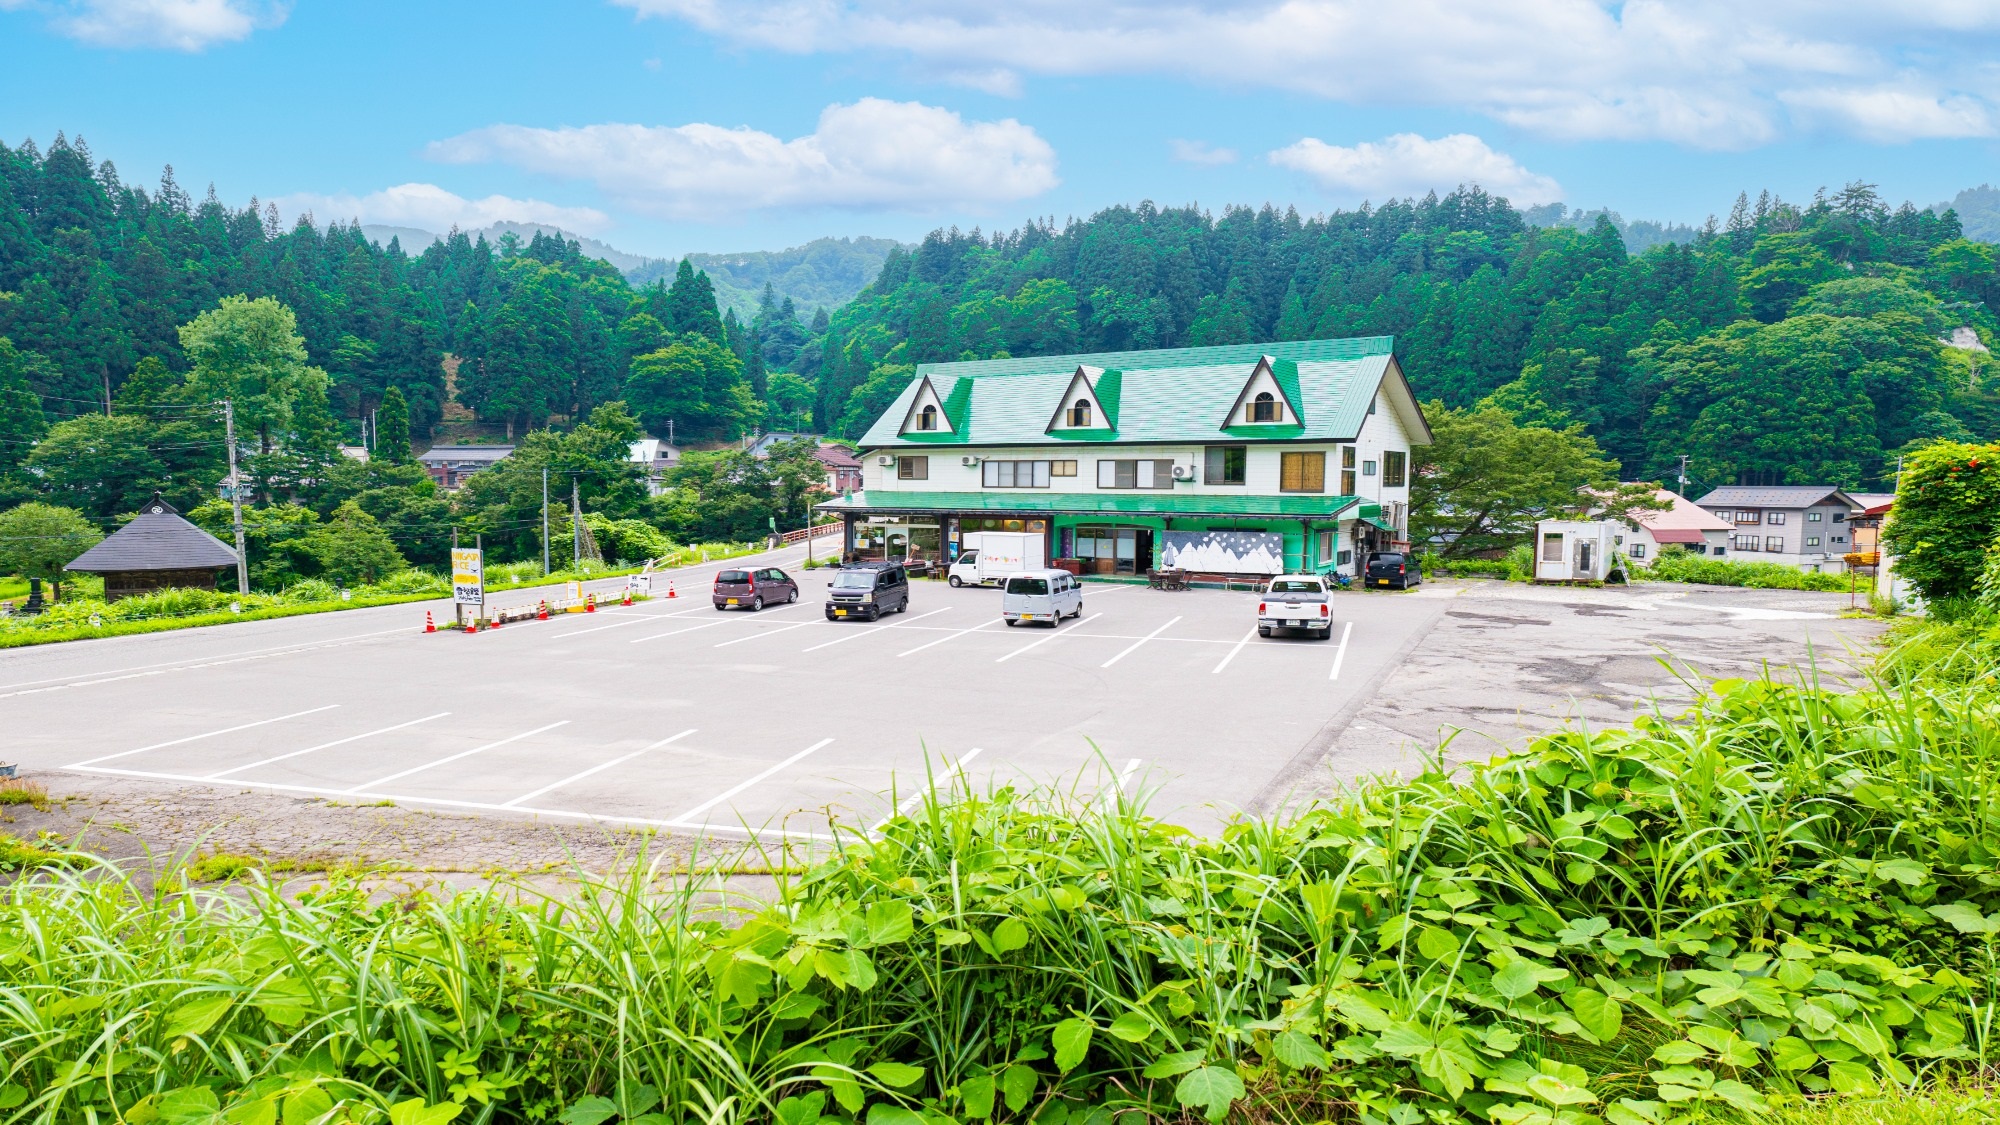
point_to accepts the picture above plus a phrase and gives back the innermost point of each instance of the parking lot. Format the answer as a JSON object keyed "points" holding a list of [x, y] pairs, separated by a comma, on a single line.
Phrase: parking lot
{"points": [[672, 715]]}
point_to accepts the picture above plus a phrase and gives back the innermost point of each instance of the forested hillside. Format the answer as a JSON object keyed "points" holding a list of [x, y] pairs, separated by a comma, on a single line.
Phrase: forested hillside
{"points": [[1795, 343]]}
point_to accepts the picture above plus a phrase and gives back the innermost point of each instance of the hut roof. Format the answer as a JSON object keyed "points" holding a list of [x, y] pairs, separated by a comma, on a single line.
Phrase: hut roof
{"points": [[157, 539]]}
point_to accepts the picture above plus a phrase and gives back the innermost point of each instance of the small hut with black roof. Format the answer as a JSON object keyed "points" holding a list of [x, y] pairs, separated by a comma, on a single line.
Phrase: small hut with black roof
{"points": [[157, 550]]}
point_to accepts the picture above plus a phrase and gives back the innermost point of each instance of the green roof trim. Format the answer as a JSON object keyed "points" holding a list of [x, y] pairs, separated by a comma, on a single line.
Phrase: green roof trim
{"points": [[1097, 503], [1169, 395]]}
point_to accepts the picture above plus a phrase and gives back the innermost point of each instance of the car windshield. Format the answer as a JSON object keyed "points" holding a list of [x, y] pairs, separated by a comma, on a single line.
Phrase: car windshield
{"points": [[1389, 559], [854, 580], [1027, 585], [1297, 586], [733, 576], [969, 556]]}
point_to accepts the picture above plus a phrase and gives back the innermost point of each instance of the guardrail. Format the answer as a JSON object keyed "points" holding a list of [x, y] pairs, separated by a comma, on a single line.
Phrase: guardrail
{"points": [[816, 531]]}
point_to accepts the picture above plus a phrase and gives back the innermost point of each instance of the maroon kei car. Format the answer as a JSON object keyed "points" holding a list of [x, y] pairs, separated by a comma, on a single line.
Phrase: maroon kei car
{"points": [[754, 589]]}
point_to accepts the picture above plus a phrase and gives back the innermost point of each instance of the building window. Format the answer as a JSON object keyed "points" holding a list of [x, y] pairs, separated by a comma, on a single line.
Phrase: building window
{"points": [[1840, 517], [1774, 518], [1227, 464], [913, 468], [1552, 547], [1079, 415], [1327, 542], [1135, 474], [1775, 544], [927, 418], [1367, 468], [1264, 408], [1062, 468], [1721, 551], [1637, 550], [1344, 558], [1812, 540], [1015, 474], [1749, 517], [1347, 470], [1302, 472], [1839, 538], [1812, 517], [1745, 542], [1395, 466]]}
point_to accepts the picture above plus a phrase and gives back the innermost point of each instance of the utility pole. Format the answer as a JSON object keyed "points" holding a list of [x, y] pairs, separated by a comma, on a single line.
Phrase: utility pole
{"points": [[1684, 476], [575, 521], [545, 521], [235, 497]]}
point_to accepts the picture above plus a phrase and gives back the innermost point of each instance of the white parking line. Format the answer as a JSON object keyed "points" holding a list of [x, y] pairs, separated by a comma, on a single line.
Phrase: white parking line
{"points": [[1237, 649], [323, 746], [554, 785], [631, 619], [199, 737], [145, 670], [1053, 634], [903, 806], [863, 630], [1135, 644], [1341, 653], [765, 633], [453, 757], [949, 636], [710, 625], [685, 819]]}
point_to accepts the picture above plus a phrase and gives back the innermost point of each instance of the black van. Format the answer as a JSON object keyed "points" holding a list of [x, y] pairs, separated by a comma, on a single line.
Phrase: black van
{"points": [[867, 590]]}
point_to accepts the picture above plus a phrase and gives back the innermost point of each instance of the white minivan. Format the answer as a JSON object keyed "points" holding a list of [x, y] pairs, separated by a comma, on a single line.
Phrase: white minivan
{"points": [[1041, 595]]}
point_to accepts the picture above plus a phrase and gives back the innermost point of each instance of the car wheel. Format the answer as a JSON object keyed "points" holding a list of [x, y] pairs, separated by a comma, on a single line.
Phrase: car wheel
{"points": [[874, 615], [1011, 622], [1263, 631], [955, 581], [756, 603], [794, 596], [718, 607]]}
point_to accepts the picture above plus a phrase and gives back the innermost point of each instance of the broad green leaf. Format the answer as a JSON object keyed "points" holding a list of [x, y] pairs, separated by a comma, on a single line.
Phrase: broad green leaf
{"points": [[1861, 1037], [1599, 1014], [1516, 980], [1578, 931], [1010, 935], [896, 1074], [1212, 1088], [976, 1094], [842, 1086], [197, 1016], [1579, 872], [1908, 872], [263, 1111], [1677, 1052], [888, 1113], [1793, 1053], [591, 1109], [1071, 1039], [1965, 919], [1358, 1010], [1017, 1085], [802, 1109], [889, 921], [309, 1106], [12, 1095], [1630, 1111], [794, 1006], [415, 1112], [188, 1103], [743, 980], [637, 1098], [1436, 944], [1555, 1091], [1400, 1039], [948, 937], [1740, 1096], [1132, 1027], [1297, 1050], [284, 1001], [1166, 1066], [1851, 1078]]}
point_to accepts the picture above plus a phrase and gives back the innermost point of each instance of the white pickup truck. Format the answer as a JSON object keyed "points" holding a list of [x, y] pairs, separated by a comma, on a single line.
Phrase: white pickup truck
{"points": [[1295, 601]]}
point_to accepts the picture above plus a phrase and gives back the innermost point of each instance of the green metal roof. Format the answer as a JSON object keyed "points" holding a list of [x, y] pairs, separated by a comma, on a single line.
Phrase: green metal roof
{"points": [[1097, 503], [1169, 395]]}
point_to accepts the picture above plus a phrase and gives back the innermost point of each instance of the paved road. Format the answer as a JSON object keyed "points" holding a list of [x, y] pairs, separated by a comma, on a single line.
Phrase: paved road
{"points": [[675, 715]]}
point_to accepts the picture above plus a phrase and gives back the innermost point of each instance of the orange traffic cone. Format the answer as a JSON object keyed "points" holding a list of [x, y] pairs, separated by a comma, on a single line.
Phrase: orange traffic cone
{"points": [[429, 625], [590, 604], [670, 591], [628, 596], [496, 622], [542, 614]]}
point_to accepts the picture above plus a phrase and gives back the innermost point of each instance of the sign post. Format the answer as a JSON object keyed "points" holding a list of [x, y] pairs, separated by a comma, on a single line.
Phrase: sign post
{"points": [[468, 580]]}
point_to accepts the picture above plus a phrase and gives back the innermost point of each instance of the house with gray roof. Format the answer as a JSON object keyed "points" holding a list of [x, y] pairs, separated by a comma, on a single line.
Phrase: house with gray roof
{"points": [[449, 465], [1806, 526], [1297, 453], [158, 550]]}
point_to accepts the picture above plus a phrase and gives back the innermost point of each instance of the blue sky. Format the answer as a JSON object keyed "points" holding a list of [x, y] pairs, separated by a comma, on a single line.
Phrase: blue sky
{"points": [[664, 126]]}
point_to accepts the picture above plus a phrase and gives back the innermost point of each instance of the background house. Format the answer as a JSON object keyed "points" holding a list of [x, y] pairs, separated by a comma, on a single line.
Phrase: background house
{"points": [[658, 458], [1685, 524], [1797, 525], [449, 465], [158, 550]]}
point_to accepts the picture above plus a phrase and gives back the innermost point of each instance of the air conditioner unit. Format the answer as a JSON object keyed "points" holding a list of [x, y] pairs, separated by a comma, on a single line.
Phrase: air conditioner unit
{"points": [[885, 462], [968, 461], [1183, 472]]}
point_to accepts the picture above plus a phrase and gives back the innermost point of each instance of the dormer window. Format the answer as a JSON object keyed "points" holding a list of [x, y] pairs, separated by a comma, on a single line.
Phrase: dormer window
{"points": [[927, 418], [1079, 415], [1264, 408]]}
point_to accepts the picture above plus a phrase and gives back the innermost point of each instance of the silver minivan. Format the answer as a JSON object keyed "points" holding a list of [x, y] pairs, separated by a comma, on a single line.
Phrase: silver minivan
{"points": [[1041, 595]]}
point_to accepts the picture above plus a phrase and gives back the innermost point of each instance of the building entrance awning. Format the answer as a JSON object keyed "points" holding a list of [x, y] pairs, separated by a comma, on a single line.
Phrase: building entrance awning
{"points": [[1136, 503]]}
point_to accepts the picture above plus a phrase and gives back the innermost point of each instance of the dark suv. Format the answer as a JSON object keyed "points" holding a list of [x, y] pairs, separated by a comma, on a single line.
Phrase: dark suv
{"points": [[1393, 569], [868, 590], [754, 589]]}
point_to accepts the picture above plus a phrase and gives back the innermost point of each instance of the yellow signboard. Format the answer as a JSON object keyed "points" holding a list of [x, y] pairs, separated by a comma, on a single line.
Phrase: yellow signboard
{"points": [[468, 577]]}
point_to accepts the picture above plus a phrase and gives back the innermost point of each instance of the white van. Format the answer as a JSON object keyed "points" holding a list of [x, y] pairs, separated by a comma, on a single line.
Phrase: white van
{"points": [[988, 557], [1041, 595]]}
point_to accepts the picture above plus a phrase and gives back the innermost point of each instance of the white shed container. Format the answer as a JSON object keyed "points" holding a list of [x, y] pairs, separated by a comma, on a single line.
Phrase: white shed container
{"points": [[1575, 550]]}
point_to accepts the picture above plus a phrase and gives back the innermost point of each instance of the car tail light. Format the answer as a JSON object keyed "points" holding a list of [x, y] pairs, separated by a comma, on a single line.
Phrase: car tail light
{"points": [[1260, 609], [1325, 612], [1399, 570]]}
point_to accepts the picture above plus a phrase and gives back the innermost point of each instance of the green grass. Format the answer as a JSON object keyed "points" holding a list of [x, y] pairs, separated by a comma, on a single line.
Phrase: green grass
{"points": [[1944, 1104], [1784, 894], [1684, 566]]}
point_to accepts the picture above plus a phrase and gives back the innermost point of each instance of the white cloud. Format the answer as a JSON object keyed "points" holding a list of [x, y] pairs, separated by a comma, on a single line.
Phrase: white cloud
{"points": [[434, 209], [874, 154], [1408, 164], [1705, 73], [1199, 152], [181, 25]]}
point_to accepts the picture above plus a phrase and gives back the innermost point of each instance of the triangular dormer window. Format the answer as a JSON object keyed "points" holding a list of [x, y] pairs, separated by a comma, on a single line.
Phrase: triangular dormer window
{"points": [[1086, 403], [1266, 400], [927, 414]]}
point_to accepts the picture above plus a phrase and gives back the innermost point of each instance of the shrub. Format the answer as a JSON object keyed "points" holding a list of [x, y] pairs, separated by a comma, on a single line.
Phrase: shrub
{"points": [[1946, 517], [1676, 564], [405, 582], [311, 590]]}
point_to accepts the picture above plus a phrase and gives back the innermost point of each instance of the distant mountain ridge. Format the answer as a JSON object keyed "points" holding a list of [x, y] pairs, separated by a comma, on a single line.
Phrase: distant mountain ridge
{"points": [[824, 273]]}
